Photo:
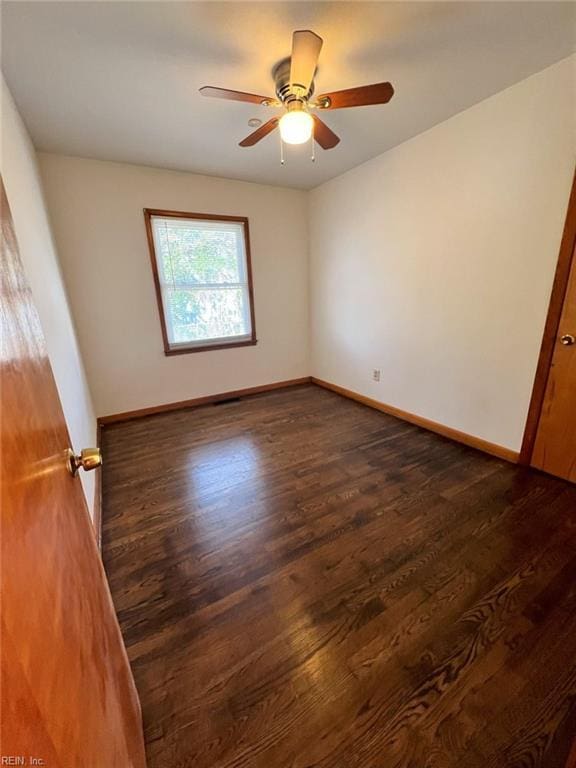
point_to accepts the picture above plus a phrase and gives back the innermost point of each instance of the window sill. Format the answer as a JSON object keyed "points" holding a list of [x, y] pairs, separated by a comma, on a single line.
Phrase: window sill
{"points": [[209, 347]]}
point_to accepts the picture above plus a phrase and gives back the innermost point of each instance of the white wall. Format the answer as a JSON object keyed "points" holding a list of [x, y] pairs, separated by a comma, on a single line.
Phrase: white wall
{"points": [[24, 190], [96, 211], [434, 261]]}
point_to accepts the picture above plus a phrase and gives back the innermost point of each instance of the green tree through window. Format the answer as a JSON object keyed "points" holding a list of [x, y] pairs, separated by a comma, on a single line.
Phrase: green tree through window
{"points": [[203, 279]]}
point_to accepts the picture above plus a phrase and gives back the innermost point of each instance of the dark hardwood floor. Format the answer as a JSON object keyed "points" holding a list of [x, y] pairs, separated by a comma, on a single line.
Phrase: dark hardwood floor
{"points": [[304, 582]]}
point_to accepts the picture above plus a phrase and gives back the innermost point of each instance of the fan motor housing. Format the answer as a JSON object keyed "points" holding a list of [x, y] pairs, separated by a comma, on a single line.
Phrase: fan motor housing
{"points": [[286, 91]]}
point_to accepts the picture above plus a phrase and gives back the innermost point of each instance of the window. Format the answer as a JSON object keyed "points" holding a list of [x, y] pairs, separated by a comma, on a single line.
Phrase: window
{"points": [[202, 271]]}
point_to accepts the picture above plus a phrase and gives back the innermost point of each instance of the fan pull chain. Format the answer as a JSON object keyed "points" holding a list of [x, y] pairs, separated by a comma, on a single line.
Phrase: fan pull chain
{"points": [[313, 156], [281, 151]]}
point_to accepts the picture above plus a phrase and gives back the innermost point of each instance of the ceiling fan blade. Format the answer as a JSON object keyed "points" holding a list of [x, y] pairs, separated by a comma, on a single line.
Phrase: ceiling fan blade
{"points": [[226, 93], [323, 135], [364, 95], [306, 47], [259, 133]]}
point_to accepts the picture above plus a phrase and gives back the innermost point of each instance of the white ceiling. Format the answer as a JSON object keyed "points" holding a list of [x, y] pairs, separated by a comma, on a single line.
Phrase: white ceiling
{"points": [[119, 80]]}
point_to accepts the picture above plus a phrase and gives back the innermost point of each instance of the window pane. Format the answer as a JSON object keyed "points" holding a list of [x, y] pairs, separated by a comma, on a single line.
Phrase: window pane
{"points": [[202, 269], [204, 314], [199, 252]]}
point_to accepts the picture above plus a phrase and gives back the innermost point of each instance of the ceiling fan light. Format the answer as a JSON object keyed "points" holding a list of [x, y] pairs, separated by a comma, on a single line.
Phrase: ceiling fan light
{"points": [[296, 127]]}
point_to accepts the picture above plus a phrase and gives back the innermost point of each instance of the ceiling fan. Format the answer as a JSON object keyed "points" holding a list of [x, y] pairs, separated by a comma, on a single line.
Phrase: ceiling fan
{"points": [[294, 78]]}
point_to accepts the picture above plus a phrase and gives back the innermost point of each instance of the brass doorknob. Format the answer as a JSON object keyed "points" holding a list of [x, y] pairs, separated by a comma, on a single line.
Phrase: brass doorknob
{"points": [[567, 339], [89, 458]]}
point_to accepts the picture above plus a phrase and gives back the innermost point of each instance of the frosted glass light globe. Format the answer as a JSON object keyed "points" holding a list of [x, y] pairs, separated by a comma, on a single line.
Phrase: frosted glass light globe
{"points": [[296, 127]]}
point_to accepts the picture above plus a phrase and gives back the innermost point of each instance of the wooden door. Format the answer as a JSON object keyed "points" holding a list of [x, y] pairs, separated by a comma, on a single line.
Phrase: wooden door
{"points": [[555, 438], [67, 699]]}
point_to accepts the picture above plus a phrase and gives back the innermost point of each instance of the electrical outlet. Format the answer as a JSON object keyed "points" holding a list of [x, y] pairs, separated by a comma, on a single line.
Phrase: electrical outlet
{"points": [[376, 374]]}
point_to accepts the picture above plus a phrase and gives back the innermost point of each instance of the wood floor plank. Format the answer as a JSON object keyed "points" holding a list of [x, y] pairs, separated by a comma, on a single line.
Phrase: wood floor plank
{"points": [[303, 582]]}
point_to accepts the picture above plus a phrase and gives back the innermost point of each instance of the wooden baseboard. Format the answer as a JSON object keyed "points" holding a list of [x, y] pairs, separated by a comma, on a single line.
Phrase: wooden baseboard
{"points": [[454, 434], [196, 401], [97, 510]]}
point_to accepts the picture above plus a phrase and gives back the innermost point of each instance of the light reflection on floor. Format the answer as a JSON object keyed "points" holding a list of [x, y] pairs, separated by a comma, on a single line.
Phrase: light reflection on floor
{"points": [[225, 474], [223, 465]]}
